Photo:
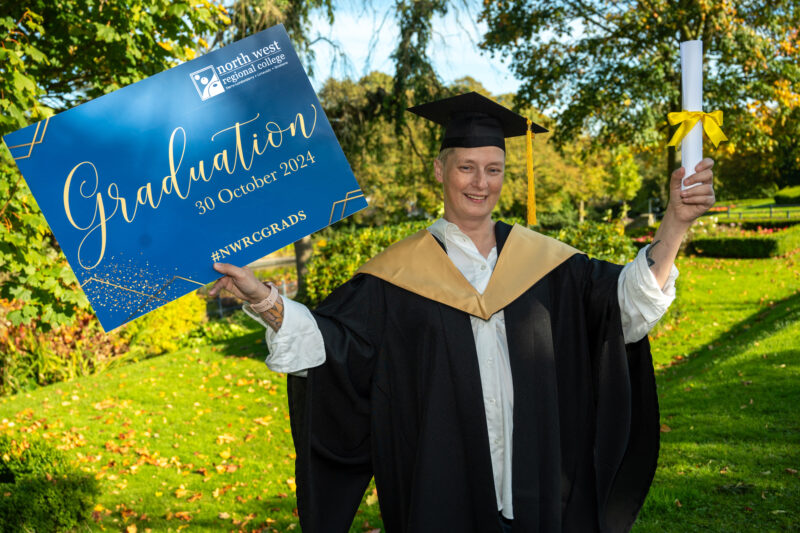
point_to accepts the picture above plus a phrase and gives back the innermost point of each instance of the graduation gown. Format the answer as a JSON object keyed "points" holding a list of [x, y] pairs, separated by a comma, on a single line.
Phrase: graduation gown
{"points": [[399, 396]]}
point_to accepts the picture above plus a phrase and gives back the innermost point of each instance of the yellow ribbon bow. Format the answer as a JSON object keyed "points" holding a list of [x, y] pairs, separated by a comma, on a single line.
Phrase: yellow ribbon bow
{"points": [[687, 119]]}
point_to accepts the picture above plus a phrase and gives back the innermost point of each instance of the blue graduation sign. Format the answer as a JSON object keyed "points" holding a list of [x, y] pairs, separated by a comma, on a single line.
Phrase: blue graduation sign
{"points": [[225, 158]]}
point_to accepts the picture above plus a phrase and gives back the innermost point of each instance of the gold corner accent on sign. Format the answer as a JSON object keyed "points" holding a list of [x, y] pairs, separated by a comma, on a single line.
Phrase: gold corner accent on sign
{"points": [[93, 278], [347, 197], [35, 140]]}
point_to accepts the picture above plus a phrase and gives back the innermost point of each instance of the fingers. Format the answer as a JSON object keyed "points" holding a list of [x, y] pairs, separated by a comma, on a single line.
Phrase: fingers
{"points": [[228, 269], [704, 177], [699, 195], [705, 164], [702, 173], [218, 286]]}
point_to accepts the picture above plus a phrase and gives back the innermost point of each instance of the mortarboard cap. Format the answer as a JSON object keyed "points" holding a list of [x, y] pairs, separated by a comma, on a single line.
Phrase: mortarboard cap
{"points": [[472, 120]]}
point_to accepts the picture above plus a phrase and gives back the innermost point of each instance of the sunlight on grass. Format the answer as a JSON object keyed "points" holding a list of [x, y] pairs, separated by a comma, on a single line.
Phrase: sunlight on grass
{"points": [[730, 435]]}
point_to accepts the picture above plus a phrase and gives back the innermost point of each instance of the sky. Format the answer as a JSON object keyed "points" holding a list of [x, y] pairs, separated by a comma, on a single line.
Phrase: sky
{"points": [[367, 37]]}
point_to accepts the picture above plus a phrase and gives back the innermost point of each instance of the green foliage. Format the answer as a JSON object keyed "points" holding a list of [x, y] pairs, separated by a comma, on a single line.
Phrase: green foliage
{"points": [[606, 241], [54, 55], [618, 74], [32, 355], [251, 16], [612, 69], [396, 176], [756, 245], [788, 195], [755, 225], [167, 328], [39, 490]]}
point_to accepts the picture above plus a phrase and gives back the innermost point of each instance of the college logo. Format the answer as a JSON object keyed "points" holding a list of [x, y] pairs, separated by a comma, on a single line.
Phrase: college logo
{"points": [[207, 83]]}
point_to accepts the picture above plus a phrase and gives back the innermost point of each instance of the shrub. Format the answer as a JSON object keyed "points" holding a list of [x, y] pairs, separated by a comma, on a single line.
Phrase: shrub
{"points": [[32, 355], [754, 245], [39, 490], [167, 328], [788, 195], [601, 240], [774, 223]]}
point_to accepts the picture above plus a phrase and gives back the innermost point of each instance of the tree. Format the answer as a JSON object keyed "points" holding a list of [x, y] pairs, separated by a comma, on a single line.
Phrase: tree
{"points": [[394, 169], [611, 69], [54, 55], [251, 16]]}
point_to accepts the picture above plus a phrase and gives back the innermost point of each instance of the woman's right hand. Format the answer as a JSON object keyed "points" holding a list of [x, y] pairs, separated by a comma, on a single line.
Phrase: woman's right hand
{"points": [[241, 282]]}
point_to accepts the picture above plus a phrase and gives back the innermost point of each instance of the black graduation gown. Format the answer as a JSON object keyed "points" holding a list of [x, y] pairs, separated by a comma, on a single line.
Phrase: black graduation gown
{"points": [[399, 398]]}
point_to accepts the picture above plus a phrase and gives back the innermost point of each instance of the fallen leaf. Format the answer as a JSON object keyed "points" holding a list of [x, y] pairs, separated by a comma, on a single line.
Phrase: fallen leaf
{"points": [[665, 428], [225, 438], [131, 529], [223, 516]]}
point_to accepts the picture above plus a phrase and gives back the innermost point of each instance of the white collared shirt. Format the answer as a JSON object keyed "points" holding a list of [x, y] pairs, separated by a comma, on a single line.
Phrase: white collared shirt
{"points": [[298, 345]]}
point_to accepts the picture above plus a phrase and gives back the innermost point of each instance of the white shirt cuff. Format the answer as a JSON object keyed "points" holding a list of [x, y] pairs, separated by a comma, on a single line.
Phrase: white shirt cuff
{"points": [[297, 345], [642, 302]]}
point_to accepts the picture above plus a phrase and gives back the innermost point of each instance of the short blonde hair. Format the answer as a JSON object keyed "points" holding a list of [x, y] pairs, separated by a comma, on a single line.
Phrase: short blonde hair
{"points": [[444, 153]]}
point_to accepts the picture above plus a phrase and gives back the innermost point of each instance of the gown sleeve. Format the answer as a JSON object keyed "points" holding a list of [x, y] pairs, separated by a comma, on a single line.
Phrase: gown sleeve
{"points": [[627, 429], [641, 301], [330, 409], [297, 345]]}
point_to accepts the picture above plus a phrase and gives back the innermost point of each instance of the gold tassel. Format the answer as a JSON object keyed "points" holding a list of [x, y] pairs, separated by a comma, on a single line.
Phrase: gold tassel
{"points": [[531, 191]]}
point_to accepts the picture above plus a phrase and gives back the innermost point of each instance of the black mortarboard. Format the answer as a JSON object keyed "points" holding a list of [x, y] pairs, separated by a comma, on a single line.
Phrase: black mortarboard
{"points": [[472, 120]]}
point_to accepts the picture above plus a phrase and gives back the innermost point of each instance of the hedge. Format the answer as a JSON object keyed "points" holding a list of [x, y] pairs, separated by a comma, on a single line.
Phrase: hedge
{"points": [[167, 328], [788, 195], [39, 490], [774, 223], [337, 257], [752, 247]]}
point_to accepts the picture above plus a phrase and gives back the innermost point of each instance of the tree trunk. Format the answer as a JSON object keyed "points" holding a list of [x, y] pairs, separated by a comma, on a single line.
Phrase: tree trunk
{"points": [[581, 212], [302, 253]]}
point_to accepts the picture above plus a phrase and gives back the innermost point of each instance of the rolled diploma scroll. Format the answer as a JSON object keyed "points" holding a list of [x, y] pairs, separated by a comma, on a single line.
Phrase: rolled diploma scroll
{"points": [[692, 91]]}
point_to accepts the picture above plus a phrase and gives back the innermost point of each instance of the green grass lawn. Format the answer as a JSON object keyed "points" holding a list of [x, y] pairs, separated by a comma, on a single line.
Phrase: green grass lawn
{"points": [[200, 438], [729, 357], [754, 208]]}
